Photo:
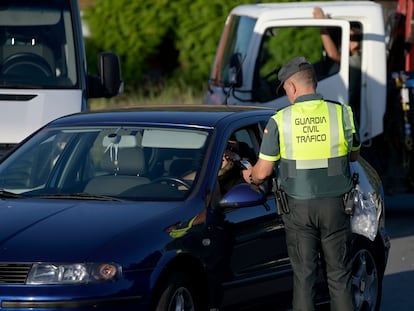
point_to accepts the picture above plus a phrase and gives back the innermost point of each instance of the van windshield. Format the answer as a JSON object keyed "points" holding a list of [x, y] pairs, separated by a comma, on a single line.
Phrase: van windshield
{"points": [[232, 50], [37, 48]]}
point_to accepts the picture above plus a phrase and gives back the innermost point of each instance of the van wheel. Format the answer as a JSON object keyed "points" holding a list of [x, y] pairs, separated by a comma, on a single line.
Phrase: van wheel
{"points": [[178, 293], [366, 279]]}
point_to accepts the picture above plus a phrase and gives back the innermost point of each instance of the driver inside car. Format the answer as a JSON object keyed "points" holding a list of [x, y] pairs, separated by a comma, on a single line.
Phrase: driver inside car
{"points": [[228, 176], [229, 173]]}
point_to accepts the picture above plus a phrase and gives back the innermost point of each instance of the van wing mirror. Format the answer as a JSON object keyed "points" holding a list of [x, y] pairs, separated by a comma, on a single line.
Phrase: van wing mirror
{"points": [[109, 82], [235, 70]]}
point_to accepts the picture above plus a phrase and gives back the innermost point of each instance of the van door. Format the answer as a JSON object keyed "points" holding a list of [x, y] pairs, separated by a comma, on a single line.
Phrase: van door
{"points": [[275, 50], [251, 52]]}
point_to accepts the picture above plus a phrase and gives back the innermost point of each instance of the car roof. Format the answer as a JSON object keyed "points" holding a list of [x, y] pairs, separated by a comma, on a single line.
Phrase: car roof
{"points": [[197, 115]]}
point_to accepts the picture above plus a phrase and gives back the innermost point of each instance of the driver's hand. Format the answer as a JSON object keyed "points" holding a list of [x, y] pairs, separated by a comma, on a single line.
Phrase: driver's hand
{"points": [[228, 161], [246, 174], [231, 156]]}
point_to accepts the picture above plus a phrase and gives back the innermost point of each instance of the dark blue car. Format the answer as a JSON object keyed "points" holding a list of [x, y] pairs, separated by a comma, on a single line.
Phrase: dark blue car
{"points": [[128, 210]]}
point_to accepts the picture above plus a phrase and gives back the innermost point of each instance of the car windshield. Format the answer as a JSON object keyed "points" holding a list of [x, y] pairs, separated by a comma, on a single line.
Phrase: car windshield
{"points": [[232, 50], [133, 163]]}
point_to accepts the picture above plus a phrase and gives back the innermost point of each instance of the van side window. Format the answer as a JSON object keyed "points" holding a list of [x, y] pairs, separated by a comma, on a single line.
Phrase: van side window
{"points": [[282, 43], [330, 38]]}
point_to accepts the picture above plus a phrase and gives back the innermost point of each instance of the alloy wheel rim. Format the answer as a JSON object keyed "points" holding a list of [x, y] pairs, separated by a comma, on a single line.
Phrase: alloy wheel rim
{"points": [[364, 281], [181, 300]]}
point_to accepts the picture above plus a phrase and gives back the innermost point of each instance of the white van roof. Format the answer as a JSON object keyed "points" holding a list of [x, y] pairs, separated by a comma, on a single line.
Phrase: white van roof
{"points": [[348, 10]]}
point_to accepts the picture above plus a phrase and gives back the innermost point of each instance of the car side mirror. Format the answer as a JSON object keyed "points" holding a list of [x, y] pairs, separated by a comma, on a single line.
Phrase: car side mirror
{"points": [[243, 195]]}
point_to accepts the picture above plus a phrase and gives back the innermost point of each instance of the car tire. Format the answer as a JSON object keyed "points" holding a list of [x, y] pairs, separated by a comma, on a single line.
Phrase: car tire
{"points": [[366, 277], [179, 292]]}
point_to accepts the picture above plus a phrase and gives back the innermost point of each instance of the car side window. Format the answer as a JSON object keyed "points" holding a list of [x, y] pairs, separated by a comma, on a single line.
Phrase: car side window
{"points": [[240, 146]]}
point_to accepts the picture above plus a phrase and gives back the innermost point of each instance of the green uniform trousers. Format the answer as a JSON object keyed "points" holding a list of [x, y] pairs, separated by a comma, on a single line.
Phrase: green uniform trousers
{"points": [[314, 227]]}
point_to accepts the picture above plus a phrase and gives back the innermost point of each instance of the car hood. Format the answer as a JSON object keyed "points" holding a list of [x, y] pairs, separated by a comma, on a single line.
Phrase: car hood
{"points": [[71, 230]]}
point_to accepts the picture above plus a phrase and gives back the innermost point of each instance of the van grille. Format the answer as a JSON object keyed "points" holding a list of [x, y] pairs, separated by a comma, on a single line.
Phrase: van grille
{"points": [[14, 273]]}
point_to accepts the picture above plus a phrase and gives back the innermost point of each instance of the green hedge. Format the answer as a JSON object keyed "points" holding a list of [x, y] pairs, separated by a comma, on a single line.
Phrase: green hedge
{"points": [[159, 41]]}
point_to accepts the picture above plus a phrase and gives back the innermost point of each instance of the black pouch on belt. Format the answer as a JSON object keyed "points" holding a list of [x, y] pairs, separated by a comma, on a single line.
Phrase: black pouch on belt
{"points": [[351, 198], [281, 199]]}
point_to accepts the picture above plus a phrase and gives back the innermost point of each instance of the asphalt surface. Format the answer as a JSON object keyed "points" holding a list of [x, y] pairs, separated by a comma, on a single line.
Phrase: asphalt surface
{"points": [[399, 203], [398, 285]]}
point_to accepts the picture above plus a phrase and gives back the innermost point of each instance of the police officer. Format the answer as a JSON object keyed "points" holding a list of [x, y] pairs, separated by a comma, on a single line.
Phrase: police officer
{"points": [[312, 141]]}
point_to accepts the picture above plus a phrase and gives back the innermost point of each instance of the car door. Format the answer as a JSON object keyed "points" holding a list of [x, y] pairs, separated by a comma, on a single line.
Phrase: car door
{"points": [[259, 261]]}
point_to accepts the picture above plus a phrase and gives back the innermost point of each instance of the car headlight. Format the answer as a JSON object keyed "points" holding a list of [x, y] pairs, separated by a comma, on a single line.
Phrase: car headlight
{"points": [[74, 273]]}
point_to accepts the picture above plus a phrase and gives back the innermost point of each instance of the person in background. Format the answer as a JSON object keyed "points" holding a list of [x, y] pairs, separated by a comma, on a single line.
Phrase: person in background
{"points": [[334, 54], [312, 140]]}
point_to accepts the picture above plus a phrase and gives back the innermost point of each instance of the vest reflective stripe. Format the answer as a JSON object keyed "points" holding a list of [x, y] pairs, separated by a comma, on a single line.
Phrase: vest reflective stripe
{"points": [[334, 133], [349, 125], [333, 165], [286, 150]]}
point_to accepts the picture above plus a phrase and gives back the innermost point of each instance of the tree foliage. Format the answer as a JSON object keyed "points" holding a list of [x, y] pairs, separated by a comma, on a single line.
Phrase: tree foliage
{"points": [[160, 39], [133, 29]]}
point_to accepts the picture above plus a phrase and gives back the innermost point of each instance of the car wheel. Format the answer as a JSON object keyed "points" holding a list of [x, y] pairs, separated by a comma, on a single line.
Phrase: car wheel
{"points": [[366, 279], [178, 293]]}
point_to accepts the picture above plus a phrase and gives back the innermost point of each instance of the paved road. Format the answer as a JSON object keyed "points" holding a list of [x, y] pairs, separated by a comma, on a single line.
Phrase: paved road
{"points": [[398, 285]]}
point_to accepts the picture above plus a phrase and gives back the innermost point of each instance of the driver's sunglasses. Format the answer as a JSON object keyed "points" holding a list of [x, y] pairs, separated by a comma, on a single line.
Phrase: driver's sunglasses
{"points": [[232, 147]]}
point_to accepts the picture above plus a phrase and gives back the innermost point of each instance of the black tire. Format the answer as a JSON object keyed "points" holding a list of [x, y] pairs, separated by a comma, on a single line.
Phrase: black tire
{"points": [[179, 292], [366, 278]]}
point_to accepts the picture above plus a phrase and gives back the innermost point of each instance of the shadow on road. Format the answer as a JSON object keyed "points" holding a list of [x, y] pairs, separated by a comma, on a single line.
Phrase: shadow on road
{"points": [[398, 285], [399, 223], [398, 289]]}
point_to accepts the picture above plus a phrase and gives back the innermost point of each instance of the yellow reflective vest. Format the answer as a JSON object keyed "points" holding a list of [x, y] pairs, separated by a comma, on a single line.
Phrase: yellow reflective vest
{"points": [[314, 141]]}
